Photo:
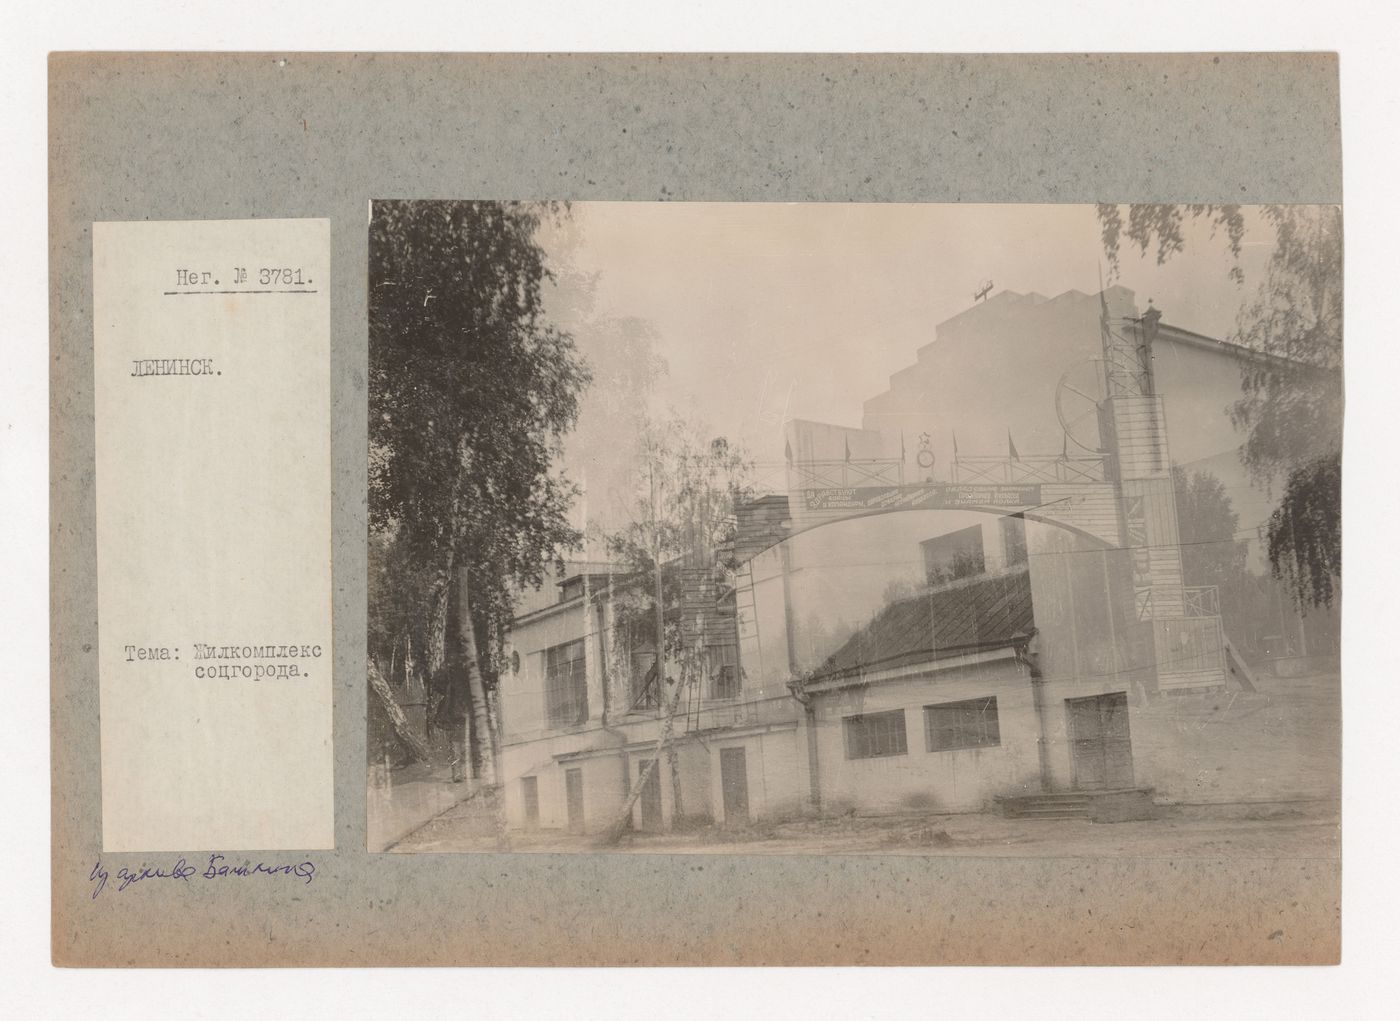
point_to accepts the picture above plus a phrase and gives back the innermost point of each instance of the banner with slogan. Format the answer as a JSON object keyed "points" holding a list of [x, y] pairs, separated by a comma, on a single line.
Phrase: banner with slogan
{"points": [[922, 496]]}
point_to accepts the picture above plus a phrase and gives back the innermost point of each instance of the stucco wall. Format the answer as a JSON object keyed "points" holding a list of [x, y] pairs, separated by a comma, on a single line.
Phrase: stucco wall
{"points": [[775, 766], [965, 780], [602, 787]]}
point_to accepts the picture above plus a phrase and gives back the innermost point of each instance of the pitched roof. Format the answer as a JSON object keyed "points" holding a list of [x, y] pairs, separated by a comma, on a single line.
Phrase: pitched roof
{"points": [[986, 612]]}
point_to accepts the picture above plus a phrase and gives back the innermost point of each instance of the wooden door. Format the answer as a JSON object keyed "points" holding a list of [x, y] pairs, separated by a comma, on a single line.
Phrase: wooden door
{"points": [[530, 791], [650, 798], [1102, 745], [734, 781], [573, 797]]}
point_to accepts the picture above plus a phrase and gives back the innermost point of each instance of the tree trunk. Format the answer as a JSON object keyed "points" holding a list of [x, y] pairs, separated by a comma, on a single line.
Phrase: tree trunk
{"points": [[396, 714], [619, 827], [437, 626], [673, 763], [480, 712], [671, 760]]}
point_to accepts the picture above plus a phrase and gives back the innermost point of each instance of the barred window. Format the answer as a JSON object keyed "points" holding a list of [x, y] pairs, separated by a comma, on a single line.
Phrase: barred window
{"points": [[566, 685], [876, 734], [955, 555], [724, 667], [646, 692], [969, 724]]}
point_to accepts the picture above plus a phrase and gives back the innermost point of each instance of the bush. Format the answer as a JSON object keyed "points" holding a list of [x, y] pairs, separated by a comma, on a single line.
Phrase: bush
{"points": [[919, 801]]}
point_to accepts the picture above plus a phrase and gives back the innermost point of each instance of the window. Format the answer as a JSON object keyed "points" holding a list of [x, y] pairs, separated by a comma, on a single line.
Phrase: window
{"points": [[530, 793], [969, 724], [876, 734], [566, 685], [646, 692], [724, 671], [955, 555]]}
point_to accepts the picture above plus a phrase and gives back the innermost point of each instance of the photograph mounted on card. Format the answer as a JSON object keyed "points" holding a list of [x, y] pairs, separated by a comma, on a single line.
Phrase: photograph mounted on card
{"points": [[754, 482]]}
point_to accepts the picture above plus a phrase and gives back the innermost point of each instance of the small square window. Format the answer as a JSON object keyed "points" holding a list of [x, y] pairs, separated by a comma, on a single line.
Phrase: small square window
{"points": [[954, 725], [874, 735]]}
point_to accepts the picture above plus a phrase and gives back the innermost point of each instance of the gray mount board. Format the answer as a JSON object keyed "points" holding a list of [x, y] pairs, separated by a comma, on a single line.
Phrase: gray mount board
{"points": [[226, 136]]}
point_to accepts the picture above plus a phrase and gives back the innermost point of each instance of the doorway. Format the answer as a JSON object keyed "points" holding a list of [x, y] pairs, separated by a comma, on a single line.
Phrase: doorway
{"points": [[734, 781], [530, 792], [573, 798], [1102, 746], [650, 798]]}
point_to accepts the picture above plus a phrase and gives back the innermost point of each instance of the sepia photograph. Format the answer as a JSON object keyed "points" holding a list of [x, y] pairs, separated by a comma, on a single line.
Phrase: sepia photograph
{"points": [[899, 529]]}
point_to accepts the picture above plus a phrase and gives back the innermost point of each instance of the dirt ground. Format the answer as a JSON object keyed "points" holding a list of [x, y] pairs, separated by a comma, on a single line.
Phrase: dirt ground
{"points": [[1295, 830], [1282, 742]]}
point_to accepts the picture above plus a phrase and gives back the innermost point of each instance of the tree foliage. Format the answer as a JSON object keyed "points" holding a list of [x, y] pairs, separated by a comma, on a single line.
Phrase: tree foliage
{"points": [[1291, 383], [681, 528], [625, 367], [1162, 226], [1305, 532], [470, 390], [681, 514], [684, 493], [623, 358], [1207, 523], [1213, 554]]}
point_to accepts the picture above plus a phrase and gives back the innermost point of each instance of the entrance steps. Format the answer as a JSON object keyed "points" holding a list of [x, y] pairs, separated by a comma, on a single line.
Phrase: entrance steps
{"points": [[1129, 803]]}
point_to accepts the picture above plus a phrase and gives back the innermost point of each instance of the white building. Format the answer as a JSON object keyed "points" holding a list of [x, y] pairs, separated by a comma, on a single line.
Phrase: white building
{"points": [[910, 626]]}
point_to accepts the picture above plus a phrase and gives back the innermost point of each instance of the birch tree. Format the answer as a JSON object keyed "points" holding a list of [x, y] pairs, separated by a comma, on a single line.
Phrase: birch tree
{"points": [[681, 517], [471, 389]]}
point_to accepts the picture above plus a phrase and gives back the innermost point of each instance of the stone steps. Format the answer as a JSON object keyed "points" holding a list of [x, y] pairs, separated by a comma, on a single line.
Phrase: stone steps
{"points": [[1097, 806]]}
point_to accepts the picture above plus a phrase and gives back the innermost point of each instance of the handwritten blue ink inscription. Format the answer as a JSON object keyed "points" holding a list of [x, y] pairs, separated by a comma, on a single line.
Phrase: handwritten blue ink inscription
{"points": [[218, 868]]}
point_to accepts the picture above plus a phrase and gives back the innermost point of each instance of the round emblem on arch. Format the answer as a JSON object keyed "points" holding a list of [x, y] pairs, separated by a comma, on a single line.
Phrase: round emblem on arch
{"points": [[1077, 398], [925, 456]]}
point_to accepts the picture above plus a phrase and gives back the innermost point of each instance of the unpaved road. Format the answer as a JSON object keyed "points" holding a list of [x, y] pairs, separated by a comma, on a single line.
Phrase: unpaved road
{"points": [[1301, 831]]}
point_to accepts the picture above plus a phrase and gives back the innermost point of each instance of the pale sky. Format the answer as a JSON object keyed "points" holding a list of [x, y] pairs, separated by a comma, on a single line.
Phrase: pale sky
{"points": [[766, 312]]}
